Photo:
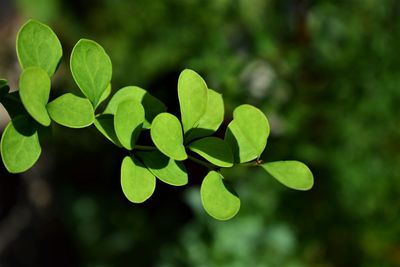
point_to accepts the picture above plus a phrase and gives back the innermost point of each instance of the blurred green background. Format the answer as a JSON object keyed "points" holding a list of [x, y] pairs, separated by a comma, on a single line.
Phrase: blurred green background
{"points": [[326, 73]]}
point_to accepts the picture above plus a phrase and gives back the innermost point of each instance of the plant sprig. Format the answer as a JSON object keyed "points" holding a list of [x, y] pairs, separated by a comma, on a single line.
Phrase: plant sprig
{"points": [[129, 113]]}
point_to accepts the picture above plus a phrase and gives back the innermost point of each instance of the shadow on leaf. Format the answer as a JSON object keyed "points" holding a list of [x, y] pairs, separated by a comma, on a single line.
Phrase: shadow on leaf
{"points": [[153, 159], [24, 125], [233, 144], [196, 133], [12, 103]]}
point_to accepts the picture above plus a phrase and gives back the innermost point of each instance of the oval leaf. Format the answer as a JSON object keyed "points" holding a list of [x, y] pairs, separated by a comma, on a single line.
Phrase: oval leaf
{"points": [[192, 94], [213, 149], [128, 121], [218, 198], [166, 133], [152, 105], [20, 147], [34, 90], [105, 124], [166, 169], [91, 68], [293, 174], [71, 111], [212, 118], [247, 134], [38, 46], [137, 182]]}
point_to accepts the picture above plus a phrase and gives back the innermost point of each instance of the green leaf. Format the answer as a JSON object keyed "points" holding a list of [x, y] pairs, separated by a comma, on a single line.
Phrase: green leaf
{"points": [[137, 182], [128, 121], [166, 133], [20, 147], [152, 105], [247, 134], [213, 149], [71, 111], [212, 118], [91, 68], [38, 46], [105, 124], [218, 198], [166, 169], [34, 90], [293, 174], [192, 94]]}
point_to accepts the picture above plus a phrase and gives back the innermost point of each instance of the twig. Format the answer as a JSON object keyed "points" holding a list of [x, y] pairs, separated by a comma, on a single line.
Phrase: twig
{"points": [[203, 163]]}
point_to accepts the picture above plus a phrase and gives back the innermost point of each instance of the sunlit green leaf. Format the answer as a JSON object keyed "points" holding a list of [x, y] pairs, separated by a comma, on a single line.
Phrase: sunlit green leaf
{"points": [[105, 124], [192, 93], [71, 111], [166, 133], [218, 198], [166, 169], [91, 68], [247, 133], [20, 147], [128, 121], [137, 182], [34, 90], [213, 149], [38, 46], [293, 174], [152, 105], [212, 118]]}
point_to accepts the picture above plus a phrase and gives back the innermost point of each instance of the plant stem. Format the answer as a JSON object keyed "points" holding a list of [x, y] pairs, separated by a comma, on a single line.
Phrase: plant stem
{"points": [[144, 148], [203, 163], [252, 163]]}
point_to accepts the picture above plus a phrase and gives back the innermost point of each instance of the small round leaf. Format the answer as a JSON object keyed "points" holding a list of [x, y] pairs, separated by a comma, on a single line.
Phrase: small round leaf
{"points": [[247, 133], [218, 198], [166, 133], [192, 94], [20, 147], [128, 121], [91, 68], [137, 182], [291, 173], [152, 105], [166, 169], [34, 90], [211, 119], [38, 46], [213, 149], [71, 111]]}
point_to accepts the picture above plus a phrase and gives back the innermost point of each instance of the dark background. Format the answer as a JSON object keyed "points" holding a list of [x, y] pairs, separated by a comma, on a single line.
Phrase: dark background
{"points": [[327, 75]]}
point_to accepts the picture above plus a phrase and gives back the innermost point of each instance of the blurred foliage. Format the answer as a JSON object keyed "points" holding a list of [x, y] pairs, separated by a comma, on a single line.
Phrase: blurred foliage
{"points": [[327, 75]]}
